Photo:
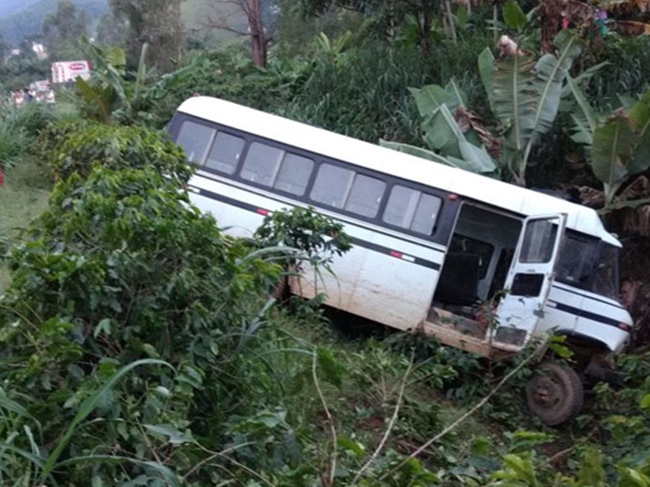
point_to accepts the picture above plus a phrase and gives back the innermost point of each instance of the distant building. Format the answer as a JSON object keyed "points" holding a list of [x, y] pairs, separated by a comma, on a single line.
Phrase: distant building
{"points": [[39, 50], [66, 71]]}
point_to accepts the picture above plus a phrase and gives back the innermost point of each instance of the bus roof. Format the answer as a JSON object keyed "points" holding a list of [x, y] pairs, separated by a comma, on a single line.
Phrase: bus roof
{"points": [[364, 154]]}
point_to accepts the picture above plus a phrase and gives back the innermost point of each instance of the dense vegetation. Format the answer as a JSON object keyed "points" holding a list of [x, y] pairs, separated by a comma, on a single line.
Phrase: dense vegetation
{"points": [[139, 345]]}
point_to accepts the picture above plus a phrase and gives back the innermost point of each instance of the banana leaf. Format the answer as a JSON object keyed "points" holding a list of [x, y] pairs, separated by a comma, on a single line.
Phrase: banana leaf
{"points": [[550, 71], [446, 140], [485, 68], [442, 134], [414, 151], [514, 16], [613, 149], [525, 95], [640, 117], [586, 119], [431, 97]]}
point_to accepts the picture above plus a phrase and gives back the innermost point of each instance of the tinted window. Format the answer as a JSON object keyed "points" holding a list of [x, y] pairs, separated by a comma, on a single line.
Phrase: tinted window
{"points": [[195, 140], [294, 174], [225, 153], [587, 263], [577, 258], [539, 241], [365, 196], [332, 185], [412, 209], [262, 163]]}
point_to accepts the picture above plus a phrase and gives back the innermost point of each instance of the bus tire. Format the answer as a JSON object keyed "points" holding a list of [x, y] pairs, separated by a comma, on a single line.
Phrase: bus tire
{"points": [[555, 393]]}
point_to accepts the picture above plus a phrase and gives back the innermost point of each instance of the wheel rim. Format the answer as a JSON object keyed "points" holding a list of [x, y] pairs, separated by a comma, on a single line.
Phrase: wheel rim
{"points": [[545, 392]]}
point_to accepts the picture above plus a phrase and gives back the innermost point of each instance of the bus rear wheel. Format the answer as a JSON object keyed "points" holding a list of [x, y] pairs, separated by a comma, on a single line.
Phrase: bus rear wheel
{"points": [[555, 393]]}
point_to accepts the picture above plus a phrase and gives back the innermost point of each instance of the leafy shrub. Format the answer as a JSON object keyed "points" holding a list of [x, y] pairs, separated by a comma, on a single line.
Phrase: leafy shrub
{"points": [[76, 147], [627, 74], [14, 142], [119, 268], [18, 128]]}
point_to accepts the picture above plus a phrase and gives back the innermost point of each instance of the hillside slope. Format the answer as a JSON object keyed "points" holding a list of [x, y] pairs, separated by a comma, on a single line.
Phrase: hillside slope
{"points": [[9, 7], [15, 25]]}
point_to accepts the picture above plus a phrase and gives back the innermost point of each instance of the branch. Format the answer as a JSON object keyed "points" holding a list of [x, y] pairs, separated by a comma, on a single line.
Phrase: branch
{"points": [[469, 413], [328, 415], [391, 424]]}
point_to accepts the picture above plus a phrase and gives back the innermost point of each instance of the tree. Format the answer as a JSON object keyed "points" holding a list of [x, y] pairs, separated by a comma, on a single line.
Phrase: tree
{"points": [[63, 29], [524, 94], [154, 22], [261, 19], [387, 14], [111, 30], [4, 48]]}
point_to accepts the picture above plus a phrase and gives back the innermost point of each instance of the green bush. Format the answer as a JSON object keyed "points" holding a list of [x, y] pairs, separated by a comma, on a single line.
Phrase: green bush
{"points": [[627, 74], [18, 129], [14, 142], [119, 269], [74, 148]]}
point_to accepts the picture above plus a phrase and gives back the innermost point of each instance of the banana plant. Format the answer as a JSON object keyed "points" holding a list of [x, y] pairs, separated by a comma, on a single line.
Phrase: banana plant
{"points": [[524, 95], [617, 146], [108, 95], [447, 142]]}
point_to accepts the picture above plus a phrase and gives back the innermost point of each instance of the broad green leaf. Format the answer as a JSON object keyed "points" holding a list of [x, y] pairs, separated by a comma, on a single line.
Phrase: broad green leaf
{"points": [[613, 149], [351, 445], [640, 118], [88, 406], [462, 15], [645, 402], [175, 437], [442, 133], [513, 15], [170, 477], [592, 472], [460, 98], [631, 477], [514, 98], [587, 122], [104, 326], [551, 71], [631, 204], [485, 68], [415, 151], [332, 369], [101, 98], [431, 97], [116, 57], [480, 161]]}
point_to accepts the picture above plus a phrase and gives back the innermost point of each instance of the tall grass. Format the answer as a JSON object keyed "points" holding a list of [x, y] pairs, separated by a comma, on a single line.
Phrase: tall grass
{"points": [[19, 128], [364, 92]]}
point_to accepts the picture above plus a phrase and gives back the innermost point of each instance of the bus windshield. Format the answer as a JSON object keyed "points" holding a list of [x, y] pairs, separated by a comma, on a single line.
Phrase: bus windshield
{"points": [[587, 263]]}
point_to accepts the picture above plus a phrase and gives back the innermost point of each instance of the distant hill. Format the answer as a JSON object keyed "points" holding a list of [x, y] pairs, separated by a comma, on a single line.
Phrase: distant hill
{"points": [[22, 18], [9, 7], [15, 24]]}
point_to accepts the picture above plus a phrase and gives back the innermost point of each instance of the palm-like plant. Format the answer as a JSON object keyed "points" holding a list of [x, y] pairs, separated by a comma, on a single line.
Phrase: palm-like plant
{"points": [[524, 95], [617, 147]]}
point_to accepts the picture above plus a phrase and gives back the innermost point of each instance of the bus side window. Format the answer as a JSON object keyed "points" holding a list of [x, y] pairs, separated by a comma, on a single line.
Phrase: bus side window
{"points": [[195, 139], [365, 196], [539, 241], [262, 164], [225, 153], [294, 174], [412, 209], [332, 185]]}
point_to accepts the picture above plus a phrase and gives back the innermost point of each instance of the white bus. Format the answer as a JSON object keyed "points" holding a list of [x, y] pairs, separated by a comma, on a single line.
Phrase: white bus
{"points": [[483, 265]]}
